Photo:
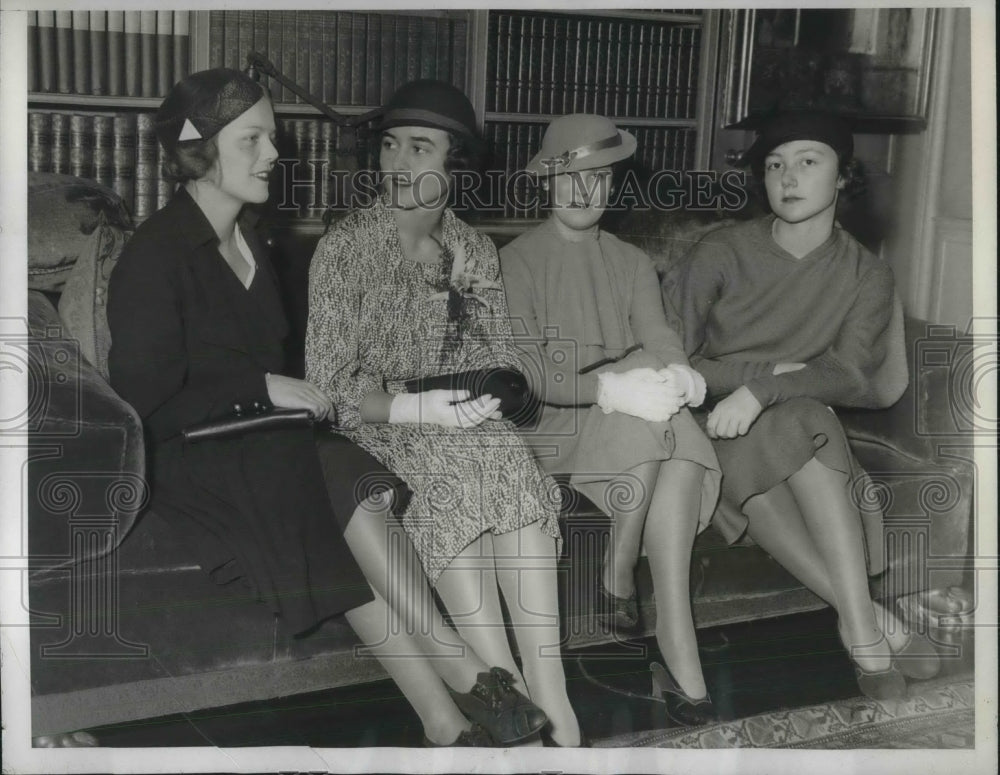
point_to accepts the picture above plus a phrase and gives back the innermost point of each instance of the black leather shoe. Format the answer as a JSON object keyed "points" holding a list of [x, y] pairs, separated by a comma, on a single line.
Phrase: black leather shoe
{"points": [[618, 614], [918, 659], [474, 737], [506, 714], [681, 709]]}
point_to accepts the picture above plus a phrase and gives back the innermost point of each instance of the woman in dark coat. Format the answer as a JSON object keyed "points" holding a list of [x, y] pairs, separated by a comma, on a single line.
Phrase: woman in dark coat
{"points": [[198, 330]]}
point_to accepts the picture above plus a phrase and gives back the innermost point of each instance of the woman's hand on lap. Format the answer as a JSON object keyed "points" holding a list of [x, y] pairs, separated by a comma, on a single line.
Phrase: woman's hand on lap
{"points": [[733, 415], [290, 393]]}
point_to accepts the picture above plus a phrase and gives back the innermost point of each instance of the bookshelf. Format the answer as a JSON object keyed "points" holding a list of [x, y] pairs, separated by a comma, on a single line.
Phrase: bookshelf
{"points": [[647, 69]]}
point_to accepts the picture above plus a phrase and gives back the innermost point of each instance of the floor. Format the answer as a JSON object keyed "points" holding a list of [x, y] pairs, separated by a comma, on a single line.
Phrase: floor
{"points": [[750, 668]]}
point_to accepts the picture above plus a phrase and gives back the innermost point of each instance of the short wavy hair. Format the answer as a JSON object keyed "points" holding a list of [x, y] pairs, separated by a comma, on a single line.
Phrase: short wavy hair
{"points": [[191, 161]]}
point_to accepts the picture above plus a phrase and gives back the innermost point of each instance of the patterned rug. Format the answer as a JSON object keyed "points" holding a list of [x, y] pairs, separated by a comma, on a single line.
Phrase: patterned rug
{"points": [[936, 714]]}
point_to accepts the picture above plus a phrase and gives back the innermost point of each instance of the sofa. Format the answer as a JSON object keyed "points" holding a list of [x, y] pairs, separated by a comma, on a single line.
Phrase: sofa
{"points": [[126, 626]]}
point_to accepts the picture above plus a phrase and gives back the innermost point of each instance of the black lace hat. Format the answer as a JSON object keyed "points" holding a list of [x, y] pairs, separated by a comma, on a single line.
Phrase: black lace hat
{"points": [[200, 105]]}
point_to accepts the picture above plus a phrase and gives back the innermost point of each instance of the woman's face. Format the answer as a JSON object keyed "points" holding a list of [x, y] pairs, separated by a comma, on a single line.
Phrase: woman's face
{"points": [[578, 199], [802, 180], [246, 154], [412, 161]]}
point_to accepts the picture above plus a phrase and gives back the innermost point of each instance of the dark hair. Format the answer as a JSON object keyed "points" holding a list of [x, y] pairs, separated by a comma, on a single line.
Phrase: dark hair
{"points": [[191, 161], [463, 154]]}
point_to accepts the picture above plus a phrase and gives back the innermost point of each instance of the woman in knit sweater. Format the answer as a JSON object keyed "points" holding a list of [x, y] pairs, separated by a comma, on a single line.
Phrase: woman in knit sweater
{"points": [[783, 316], [614, 384]]}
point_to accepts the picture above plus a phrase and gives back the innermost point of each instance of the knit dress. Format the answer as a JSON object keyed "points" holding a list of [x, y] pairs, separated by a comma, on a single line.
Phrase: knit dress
{"points": [[377, 318], [575, 303], [747, 305]]}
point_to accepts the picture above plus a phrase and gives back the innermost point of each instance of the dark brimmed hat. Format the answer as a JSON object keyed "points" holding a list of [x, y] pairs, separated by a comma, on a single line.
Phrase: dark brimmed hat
{"points": [[782, 128], [431, 103], [580, 141], [199, 106]]}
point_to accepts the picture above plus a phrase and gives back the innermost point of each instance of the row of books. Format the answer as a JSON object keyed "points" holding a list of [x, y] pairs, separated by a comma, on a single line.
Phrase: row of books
{"points": [[114, 53], [120, 151], [342, 57], [557, 64]]}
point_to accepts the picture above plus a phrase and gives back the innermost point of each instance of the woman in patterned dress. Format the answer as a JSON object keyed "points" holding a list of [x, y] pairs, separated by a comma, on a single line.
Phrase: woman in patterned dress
{"points": [[403, 289]]}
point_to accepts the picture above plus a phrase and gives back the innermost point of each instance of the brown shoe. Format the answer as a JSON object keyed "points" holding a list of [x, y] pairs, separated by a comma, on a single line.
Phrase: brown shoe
{"points": [[506, 714]]}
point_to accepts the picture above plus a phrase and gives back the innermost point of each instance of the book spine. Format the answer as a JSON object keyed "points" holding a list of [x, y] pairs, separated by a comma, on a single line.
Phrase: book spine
{"points": [[299, 131], [145, 166], [289, 53], [640, 72], [273, 50], [116, 53], [231, 42], [182, 45], [244, 37], [47, 51], [32, 46], [510, 65], [123, 158], [614, 82], [133, 55], [653, 103], [442, 68], [98, 52], [39, 141], [304, 35], [345, 52], [523, 55], [387, 73], [358, 58], [575, 102], [428, 48], [542, 86], [60, 143], [494, 59], [599, 55], [402, 32], [319, 81], [459, 47], [103, 150], [557, 75], [164, 51], [691, 87], [147, 53], [327, 150], [413, 27], [64, 51], [81, 52], [373, 75], [164, 186], [81, 146]]}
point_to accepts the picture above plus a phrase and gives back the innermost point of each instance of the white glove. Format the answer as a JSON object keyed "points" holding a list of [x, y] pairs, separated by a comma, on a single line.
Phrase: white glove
{"points": [[688, 381], [450, 408], [640, 392]]}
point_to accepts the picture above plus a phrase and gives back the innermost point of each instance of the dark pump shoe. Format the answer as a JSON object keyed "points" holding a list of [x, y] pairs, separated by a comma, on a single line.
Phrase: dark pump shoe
{"points": [[618, 614], [887, 684], [681, 709], [474, 737], [506, 714]]}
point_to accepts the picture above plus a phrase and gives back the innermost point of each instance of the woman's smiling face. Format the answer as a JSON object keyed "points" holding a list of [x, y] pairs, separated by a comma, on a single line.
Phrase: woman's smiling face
{"points": [[578, 199], [802, 179], [246, 154], [412, 161]]}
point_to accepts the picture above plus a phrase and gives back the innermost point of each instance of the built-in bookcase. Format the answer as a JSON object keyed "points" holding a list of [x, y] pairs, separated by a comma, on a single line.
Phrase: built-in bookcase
{"points": [[95, 79]]}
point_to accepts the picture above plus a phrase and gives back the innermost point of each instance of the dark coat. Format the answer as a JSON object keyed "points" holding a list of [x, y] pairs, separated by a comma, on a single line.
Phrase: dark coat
{"points": [[189, 342]]}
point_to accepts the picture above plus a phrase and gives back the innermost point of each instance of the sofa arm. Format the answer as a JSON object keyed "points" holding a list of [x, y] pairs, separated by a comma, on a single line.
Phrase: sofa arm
{"points": [[85, 450]]}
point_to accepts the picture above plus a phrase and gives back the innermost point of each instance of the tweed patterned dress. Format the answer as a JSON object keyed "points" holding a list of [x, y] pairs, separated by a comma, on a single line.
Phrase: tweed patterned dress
{"points": [[377, 318]]}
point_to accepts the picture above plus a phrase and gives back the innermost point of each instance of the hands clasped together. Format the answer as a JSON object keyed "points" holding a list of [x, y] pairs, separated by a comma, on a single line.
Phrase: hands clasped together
{"points": [[650, 394]]}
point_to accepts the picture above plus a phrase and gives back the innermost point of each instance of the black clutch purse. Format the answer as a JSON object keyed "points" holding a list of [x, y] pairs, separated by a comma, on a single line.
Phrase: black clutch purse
{"points": [[241, 422], [517, 402]]}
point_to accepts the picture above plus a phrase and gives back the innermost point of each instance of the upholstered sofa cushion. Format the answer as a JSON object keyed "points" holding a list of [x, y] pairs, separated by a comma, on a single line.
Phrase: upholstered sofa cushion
{"points": [[62, 211], [83, 303]]}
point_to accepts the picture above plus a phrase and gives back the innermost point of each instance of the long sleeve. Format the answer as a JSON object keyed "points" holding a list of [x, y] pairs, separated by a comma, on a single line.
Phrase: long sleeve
{"points": [[843, 374], [649, 324], [549, 363], [702, 285], [332, 351], [149, 361]]}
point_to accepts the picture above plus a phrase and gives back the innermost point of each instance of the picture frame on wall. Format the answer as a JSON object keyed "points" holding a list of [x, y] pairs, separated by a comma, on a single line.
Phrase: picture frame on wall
{"points": [[870, 64]]}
